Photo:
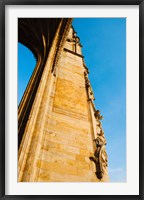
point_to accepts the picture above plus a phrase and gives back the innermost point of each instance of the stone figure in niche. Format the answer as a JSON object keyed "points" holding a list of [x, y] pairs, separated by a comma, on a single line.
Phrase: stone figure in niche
{"points": [[100, 156]]}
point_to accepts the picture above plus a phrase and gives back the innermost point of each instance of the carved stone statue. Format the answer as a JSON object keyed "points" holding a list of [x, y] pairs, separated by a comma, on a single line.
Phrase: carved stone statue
{"points": [[100, 156]]}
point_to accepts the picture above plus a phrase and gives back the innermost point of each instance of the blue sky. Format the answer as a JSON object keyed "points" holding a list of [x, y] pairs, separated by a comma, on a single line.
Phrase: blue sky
{"points": [[26, 64], [104, 50]]}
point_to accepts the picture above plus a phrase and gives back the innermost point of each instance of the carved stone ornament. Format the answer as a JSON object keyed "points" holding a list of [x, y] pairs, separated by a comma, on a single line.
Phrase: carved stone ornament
{"points": [[85, 67], [97, 115], [88, 86], [75, 39], [90, 94], [99, 125], [100, 157]]}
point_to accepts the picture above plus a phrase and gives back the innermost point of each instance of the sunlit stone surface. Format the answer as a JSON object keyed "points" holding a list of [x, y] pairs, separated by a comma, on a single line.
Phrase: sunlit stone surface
{"points": [[60, 133]]}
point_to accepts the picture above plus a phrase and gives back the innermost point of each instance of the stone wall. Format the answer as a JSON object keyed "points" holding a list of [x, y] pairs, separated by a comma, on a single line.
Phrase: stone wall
{"points": [[62, 143]]}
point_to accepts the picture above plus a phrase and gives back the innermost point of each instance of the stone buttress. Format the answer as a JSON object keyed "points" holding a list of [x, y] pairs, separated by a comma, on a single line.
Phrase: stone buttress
{"points": [[63, 140]]}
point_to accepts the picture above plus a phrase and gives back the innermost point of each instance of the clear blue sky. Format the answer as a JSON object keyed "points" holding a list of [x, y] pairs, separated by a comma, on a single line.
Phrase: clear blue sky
{"points": [[104, 49]]}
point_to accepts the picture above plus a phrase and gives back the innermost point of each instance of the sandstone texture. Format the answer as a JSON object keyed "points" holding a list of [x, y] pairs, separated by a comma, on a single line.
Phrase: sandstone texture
{"points": [[58, 144]]}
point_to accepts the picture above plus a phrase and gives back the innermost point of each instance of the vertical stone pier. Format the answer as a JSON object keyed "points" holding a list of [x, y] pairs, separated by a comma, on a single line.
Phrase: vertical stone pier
{"points": [[63, 139]]}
